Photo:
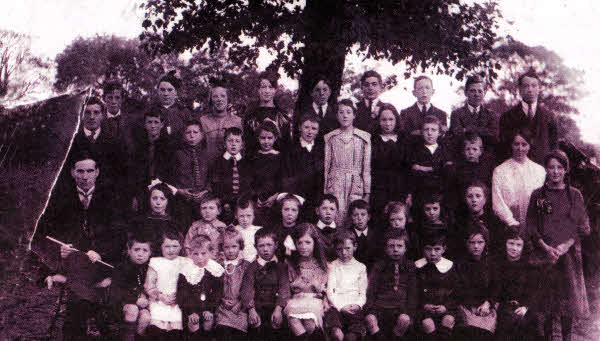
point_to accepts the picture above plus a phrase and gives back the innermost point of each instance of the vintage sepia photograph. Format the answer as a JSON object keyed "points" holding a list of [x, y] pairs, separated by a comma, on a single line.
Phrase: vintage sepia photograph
{"points": [[303, 170]]}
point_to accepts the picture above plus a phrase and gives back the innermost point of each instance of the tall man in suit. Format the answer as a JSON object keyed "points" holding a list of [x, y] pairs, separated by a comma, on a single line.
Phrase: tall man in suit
{"points": [[531, 115], [367, 110], [474, 116], [321, 106]]}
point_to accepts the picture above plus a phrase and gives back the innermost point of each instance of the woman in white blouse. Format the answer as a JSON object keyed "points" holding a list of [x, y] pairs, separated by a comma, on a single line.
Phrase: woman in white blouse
{"points": [[514, 181]]}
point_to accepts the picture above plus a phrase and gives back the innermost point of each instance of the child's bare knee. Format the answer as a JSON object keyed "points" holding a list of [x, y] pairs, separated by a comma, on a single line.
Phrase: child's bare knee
{"points": [[371, 321], [428, 325], [337, 334], [130, 312], [207, 325], [310, 326], [448, 321], [403, 321]]}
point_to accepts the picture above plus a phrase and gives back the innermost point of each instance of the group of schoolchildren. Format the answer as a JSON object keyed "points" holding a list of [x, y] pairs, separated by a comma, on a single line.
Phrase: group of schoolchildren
{"points": [[274, 226]]}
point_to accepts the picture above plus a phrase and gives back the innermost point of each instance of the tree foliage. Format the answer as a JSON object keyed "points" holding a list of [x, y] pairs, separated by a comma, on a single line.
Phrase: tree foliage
{"points": [[453, 35], [20, 71]]}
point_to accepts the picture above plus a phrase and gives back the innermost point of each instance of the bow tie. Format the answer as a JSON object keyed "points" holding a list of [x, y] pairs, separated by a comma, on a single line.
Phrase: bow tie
{"points": [[328, 229]]}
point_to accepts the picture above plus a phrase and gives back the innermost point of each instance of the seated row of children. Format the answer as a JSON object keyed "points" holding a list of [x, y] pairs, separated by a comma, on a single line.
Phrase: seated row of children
{"points": [[252, 282]]}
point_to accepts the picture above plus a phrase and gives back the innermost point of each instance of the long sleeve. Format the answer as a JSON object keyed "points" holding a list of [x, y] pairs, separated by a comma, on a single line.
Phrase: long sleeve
{"points": [[366, 171], [363, 284], [499, 205], [247, 287], [532, 219], [283, 293], [328, 158], [412, 294], [332, 284], [372, 285]]}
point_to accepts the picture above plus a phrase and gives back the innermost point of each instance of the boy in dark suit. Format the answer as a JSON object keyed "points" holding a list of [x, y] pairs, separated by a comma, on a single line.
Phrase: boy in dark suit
{"points": [[367, 239], [118, 124], [326, 210], [529, 114], [320, 106], [265, 289], [367, 110], [473, 116]]}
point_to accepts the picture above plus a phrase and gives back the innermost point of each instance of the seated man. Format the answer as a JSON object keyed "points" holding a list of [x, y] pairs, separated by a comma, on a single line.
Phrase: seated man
{"points": [[82, 216]]}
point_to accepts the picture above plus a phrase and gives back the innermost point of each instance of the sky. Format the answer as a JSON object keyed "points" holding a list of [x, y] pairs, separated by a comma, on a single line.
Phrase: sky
{"points": [[560, 25]]}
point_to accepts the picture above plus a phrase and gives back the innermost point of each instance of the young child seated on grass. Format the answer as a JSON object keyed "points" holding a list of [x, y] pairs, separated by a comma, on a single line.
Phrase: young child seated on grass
{"points": [[200, 289], [392, 291], [346, 290], [127, 288]]}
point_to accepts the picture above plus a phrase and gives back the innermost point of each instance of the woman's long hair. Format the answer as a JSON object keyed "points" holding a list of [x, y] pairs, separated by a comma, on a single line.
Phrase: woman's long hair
{"points": [[318, 251]]}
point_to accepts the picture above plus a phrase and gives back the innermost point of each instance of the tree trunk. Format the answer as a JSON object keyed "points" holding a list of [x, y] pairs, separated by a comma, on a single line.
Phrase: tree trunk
{"points": [[325, 47]]}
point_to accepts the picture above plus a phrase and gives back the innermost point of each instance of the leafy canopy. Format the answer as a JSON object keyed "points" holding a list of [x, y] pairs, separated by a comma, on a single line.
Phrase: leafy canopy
{"points": [[455, 36]]}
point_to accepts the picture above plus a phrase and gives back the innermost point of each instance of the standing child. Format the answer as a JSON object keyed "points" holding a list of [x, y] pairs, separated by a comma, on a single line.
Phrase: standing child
{"points": [[326, 225], [347, 161], [200, 289], [413, 117], [290, 212], [346, 290], [265, 289], [514, 288], [127, 287], [244, 212], [389, 172], [436, 278], [190, 169], [428, 160], [308, 283], [367, 238], [396, 213], [392, 290], [232, 320], [266, 166], [431, 220], [209, 224], [473, 291], [161, 287], [232, 173], [556, 222]]}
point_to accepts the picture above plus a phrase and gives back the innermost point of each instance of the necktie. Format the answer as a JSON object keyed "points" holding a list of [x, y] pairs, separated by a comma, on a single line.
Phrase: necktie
{"points": [[86, 198], [235, 178], [362, 239], [328, 230], [196, 166], [321, 113], [530, 112], [396, 276], [424, 110]]}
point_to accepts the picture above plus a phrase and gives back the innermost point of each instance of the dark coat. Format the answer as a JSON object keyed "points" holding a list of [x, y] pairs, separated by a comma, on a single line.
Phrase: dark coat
{"points": [[127, 283], [543, 127], [389, 172], [265, 287], [381, 293], [364, 119], [221, 175], [485, 123], [420, 155], [302, 170], [368, 250], [328, 123], [183, 168], [146, 166], [203, 296], [411, 118], [124, 128]]}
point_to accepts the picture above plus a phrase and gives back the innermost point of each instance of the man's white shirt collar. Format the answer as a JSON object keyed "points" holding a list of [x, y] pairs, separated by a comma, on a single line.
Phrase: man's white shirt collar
{"points": [[389, 138], [359, 233], [473, 110], [109, 115], [432, 148], [443, 266], [262, 262], [228, 156], [316, 107], [525, 107], [88, 133], [307, 145], [321, 225], [420, 106]]}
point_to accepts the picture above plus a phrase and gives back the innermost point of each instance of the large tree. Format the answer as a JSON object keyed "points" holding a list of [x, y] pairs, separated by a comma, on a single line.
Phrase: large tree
{"points": [[314, 36]]}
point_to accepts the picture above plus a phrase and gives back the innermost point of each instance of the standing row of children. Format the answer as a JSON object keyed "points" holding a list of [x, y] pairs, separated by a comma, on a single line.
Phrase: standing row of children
{"points": [[388, 204]]}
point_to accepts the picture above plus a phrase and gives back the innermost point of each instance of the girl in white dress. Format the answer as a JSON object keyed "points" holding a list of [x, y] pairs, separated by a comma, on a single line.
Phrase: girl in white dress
{"points": [[161, 286]]}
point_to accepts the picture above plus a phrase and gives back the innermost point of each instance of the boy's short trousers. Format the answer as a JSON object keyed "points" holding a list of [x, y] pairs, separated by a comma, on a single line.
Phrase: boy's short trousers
{"points": [[387, 317], [349, 323]]}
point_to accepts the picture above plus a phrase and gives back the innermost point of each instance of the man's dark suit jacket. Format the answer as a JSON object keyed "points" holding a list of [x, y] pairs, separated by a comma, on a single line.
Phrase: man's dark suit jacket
{"points": [[484, 123], [411, 119], [542, 126]]}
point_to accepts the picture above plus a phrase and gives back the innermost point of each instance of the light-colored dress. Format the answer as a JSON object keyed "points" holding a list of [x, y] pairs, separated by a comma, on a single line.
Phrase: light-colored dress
{"points": [[166, 317], [512, 185], [347, 167], [249, 252], [308, 287], [232, 282]]}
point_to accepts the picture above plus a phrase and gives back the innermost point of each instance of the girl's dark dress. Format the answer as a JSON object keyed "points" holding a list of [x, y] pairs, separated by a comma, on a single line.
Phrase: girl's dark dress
{"points": [[259, 115], [389, 173], [266, 180]]}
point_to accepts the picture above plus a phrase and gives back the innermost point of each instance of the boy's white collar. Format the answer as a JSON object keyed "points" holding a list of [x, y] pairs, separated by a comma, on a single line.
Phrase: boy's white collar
{"points": [[262, 262], [321, 225], [228, 156], [444, 265]]}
